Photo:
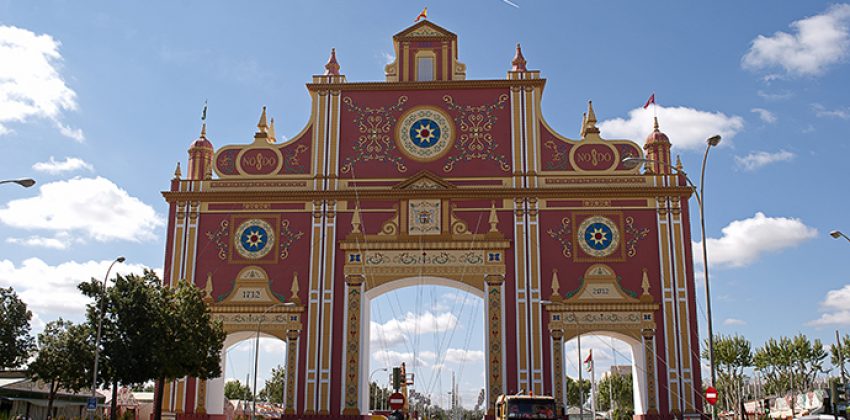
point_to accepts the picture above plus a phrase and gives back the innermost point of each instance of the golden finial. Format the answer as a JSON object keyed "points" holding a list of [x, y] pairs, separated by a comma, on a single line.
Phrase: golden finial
{"points": [[177, 173], [583, 124], [332, 67], [204, 130], [518, 61], [262, 125], [272, 136], [678, 163], [590, 120], [655, 125], [294, 289], [494, 218], [356, 221], [208, 288], [645, 283], [556, 285]]}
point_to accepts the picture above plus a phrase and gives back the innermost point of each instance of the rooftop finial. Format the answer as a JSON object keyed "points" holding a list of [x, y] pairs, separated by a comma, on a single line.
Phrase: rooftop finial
{"points": [[177, 173], [204, 130], [272, 135], [493, 219], [263, 125], [589, 125], [332, 68], [655, 125], [518, 61], [678, 164]]}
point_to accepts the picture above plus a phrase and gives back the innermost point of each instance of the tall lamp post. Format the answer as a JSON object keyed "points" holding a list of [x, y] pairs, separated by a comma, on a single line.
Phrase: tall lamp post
{"points": [[710, 142], [370, 383], [99, 327], [24, 182], [257, 353]]}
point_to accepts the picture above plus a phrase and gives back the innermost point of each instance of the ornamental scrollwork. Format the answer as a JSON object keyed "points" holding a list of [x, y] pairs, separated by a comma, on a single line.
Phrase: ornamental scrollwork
{"points": [[475, 140], [562, 235], [219, 238], [287, 238], [560, 160], [292, 163], [637, 234], [375, 141]]}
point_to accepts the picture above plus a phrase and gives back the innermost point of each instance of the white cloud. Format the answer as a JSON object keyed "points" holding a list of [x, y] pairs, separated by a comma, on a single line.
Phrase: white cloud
{"points": [[770, 96], [40, 242], [95, 207], [460, 356], [388, 58], [755, 160], [733, 321], [821, 111], [397, 331], [51, 291], [53, 167], [391, 358], [745, 241], [688, 128], [834, 306], [33, 87], [765, 115], [815, 43]]}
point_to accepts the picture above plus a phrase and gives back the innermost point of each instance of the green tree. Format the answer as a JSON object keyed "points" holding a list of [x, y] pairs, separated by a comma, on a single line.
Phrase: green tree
{"points": [[187, 342], [16, 344], [273, 390], [234, 390], [620, 388], [844, 347], [790, 364], [732, 354], [65, 353], [573, 389]]}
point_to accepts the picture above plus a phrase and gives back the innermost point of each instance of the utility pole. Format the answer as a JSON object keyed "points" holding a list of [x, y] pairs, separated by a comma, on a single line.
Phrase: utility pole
{"points": [[580, 391], [840, 358]]}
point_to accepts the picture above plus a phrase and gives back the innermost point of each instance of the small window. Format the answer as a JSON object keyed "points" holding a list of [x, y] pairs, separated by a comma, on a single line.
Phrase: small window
{"points": [[425, 69]]}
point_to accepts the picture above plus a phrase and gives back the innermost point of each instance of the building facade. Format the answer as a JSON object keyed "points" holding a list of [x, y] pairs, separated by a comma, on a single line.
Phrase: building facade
{"points": [[430, 178]]}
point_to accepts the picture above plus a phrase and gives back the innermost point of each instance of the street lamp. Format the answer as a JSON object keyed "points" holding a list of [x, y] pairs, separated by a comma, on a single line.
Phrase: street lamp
{"points": [[257, 353], [631, 162], [99, 324], [24, 182], [370, 382], [837, 234]]}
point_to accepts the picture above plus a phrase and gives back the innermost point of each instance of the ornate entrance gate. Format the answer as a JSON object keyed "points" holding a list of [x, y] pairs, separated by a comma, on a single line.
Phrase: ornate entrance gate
{"points": [[430, 174]]}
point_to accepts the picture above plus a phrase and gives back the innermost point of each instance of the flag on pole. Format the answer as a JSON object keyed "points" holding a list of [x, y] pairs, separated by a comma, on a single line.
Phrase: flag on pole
{"points": [[649, 101], [204, 115], [589, 361], [423, 15]]}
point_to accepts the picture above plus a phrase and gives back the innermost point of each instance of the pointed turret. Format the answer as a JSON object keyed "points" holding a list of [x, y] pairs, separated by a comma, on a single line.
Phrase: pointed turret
{"points": [[657, 147], [589, 126], [272, 135], [262, 133], [177, 172], [518, 61], [332, 67], [200, 156]]}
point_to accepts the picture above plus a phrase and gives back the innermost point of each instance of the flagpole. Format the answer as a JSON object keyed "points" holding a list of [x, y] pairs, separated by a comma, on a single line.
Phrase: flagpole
{"points": [[592, 385], [580, 392]]}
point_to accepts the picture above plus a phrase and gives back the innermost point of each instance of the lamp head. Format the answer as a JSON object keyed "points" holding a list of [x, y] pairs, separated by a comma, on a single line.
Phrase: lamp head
{"points": [[835, 234], [120, 259], [26, 182], [714, 140], [631, 162]]}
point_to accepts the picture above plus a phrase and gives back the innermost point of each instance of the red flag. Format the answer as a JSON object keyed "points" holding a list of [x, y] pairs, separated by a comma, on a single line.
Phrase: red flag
{"points": [[423, 15], [589, 357], [649, 101]]}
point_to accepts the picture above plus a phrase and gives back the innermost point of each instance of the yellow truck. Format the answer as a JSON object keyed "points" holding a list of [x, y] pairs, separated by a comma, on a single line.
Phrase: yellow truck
{"points": [[527, 406]]}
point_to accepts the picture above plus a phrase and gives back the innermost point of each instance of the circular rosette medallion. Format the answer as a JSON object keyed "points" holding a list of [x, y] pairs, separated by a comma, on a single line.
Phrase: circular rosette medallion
{"points": [[425, 133], [254, 239], [599, 236]]}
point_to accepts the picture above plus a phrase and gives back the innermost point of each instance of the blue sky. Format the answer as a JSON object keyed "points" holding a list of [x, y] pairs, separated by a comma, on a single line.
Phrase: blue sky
{"points": [[99, 100]]}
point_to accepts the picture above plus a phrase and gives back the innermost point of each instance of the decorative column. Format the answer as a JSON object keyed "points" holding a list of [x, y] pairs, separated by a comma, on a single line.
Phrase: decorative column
{"points": [[558, 366], [649, 358], [291, 369], [494, 337], [353, 295]]}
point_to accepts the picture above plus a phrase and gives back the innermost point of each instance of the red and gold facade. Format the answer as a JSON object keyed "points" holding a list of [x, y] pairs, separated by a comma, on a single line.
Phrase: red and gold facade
{"points": [[432, 175]]}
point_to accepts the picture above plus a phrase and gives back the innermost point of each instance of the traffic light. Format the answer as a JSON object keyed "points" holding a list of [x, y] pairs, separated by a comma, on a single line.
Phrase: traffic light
{"points": [[840, 393], [396, 378], [766, 405]]}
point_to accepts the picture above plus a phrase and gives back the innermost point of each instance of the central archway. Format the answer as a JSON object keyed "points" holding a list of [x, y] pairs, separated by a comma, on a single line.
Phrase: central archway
{"points": [[383, 289]]}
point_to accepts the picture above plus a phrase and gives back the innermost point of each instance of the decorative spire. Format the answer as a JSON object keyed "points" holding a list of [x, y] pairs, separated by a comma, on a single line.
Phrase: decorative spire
{"points": [[356, 221], [556, 286], [590, 120], [204, 130], [263, 125], [583, 124], [272, 136], [655, 124], [678, 164], [494, 218], [177, 173], [332, 68], [518, 61], [644, 284], [294, 289]]}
